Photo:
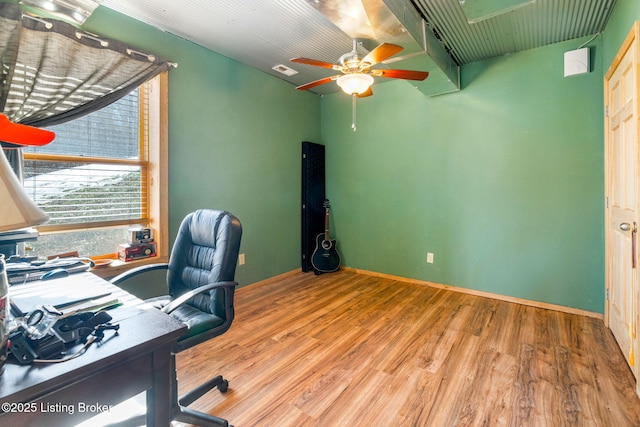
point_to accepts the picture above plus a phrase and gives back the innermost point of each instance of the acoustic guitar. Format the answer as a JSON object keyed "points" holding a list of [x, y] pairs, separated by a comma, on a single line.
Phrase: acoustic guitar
{"points": [[325, 258]]}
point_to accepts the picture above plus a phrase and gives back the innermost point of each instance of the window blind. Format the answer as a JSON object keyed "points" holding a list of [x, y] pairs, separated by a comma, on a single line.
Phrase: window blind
{"points": [[94, 172]]}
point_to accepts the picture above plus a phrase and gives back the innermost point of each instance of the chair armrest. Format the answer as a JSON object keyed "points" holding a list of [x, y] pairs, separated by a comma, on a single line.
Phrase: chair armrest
{"points": [[138, 270], [188, 295]]}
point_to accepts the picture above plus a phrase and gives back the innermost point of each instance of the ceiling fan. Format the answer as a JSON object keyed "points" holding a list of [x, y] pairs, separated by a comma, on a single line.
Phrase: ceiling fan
{"points": [[358, 73]]}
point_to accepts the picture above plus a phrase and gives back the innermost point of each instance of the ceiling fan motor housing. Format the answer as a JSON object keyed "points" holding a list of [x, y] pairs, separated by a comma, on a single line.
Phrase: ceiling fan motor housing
{"points": [[350, 62]]}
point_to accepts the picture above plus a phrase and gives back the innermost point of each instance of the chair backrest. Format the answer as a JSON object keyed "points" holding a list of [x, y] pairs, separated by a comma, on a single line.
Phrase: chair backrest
{"points": [[205, 251]]}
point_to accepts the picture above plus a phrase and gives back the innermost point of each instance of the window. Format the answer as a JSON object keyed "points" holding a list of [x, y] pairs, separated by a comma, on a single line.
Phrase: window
{"points": [[102, 174]]}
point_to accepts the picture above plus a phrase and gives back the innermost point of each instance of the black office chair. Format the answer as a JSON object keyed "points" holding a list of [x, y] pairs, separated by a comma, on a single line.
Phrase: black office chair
{"points": [[200, 279]]}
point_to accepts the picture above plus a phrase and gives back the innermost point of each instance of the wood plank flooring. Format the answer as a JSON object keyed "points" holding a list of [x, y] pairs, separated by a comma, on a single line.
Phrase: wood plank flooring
{"points": [[346, 349]]}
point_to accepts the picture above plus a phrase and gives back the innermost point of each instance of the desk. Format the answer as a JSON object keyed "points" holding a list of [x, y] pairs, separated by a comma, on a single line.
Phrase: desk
{"points": [[120, 367]]}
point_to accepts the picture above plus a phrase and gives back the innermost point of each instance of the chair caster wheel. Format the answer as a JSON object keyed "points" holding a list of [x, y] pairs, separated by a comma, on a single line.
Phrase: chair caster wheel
{"points": [[223, 386]]}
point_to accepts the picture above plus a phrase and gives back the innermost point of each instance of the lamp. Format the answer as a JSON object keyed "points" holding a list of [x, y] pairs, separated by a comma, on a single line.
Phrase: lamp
{"points": [[76, 10], [17, 210], [355, 83]]}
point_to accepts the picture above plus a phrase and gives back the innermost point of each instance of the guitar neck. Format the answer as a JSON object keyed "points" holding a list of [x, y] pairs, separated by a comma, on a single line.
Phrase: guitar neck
{"points": [[326, 224]]}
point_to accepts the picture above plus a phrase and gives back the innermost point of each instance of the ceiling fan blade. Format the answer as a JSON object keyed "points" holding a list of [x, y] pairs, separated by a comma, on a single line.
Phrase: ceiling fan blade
{"points": [[312, 62], [317, 83], [401, 74], [366, 93], [380, 53]]}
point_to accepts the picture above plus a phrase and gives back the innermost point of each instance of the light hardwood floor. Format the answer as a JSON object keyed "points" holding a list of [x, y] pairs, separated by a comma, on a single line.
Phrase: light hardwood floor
{"points": [[346, 349]]}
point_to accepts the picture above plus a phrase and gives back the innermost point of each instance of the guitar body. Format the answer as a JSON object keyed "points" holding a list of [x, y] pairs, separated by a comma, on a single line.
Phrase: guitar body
{"points": [[325, 258]]}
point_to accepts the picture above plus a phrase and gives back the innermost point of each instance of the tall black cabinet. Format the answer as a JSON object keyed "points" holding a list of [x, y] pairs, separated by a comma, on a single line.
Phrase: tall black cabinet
{"points": [[313, 195]]}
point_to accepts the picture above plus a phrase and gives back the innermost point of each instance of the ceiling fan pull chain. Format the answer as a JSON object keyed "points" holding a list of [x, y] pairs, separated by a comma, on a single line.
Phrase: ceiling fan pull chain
{"points": [[353, 111]]}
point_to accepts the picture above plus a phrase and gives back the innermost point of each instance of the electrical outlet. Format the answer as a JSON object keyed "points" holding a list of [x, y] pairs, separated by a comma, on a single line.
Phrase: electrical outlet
{"points": [[241, 259], [430, 257]]}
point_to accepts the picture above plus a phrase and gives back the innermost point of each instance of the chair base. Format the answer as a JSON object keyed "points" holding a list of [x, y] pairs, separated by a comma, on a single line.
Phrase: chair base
{"points": [[195, 394], [181, 414], [184, 414], [187, 415]]}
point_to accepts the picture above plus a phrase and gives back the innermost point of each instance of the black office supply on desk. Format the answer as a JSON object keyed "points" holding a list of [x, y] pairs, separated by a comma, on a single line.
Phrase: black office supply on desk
{"points": [[55, 274]]}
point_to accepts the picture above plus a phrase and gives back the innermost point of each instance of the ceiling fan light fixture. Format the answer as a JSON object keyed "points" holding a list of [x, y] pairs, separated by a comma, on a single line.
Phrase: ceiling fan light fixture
{"points": [[355, 83], [73, 10]]}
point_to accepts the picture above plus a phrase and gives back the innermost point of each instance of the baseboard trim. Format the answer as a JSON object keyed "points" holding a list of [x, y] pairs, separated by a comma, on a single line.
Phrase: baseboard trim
{"points": [[500, 297], [273, 279]]}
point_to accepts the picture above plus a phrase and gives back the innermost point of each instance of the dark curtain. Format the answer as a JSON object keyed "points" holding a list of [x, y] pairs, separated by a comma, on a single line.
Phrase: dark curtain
{"points": [[51, 72]]}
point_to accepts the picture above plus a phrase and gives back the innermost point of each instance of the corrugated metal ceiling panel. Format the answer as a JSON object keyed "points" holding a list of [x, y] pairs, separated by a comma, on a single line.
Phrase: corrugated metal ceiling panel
{"points": [[532, 25]]}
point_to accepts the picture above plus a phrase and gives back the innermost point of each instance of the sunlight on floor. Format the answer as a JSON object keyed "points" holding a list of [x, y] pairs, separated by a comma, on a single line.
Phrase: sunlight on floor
{"points": [[119, 413]]}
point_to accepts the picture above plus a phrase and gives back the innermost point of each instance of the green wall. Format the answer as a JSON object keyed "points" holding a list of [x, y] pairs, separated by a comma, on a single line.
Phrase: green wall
{"points": [[624, 14], [502, 181], [234, 143]]}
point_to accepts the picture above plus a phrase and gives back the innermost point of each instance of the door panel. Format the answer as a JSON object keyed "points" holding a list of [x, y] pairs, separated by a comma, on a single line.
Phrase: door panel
{"points": [[621, 186]]}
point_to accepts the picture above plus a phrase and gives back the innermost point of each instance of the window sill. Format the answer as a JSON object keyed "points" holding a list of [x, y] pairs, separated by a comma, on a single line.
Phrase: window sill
{"points": [[118, 267]]}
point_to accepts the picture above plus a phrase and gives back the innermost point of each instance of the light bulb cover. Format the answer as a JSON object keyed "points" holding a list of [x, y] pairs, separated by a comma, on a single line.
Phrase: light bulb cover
{"points": [[357, 83]]}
